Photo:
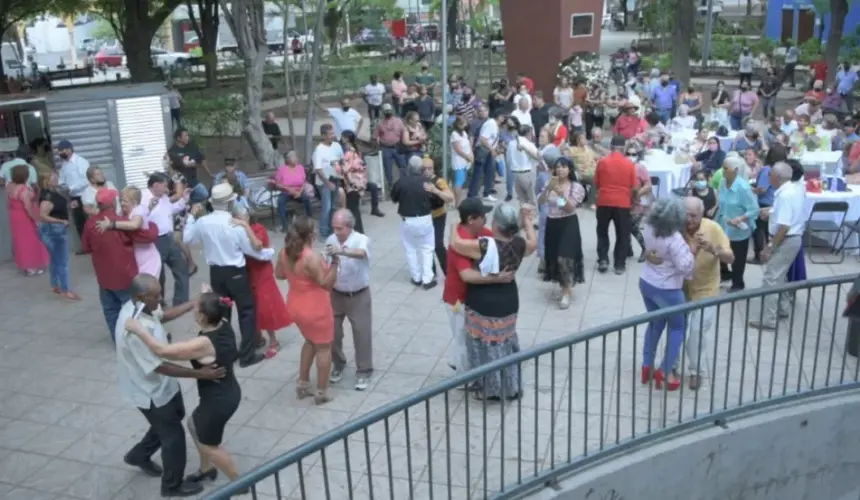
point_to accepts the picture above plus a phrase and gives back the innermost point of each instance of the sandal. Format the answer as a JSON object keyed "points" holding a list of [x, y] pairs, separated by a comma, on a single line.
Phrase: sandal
{"points": [[57, 290], [71, 296], [273, 349], [321, 398], [303, 390]]}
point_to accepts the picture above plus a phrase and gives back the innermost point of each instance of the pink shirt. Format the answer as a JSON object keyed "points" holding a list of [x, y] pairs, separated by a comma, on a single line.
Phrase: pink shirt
{"points": [[743, 102], [291, 177], [145, 254], [678, 261], [576, 116], [398, 87]]}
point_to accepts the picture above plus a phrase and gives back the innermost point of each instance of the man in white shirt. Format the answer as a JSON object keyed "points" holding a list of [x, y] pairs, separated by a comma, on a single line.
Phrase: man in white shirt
{"points": [[225, 245], [73, 178], [521, 156], [326, 157], [374, 93], [97, 180], [149, 383], [345, 118], [786, 222], [350, 297], [485, 161], [161, 212], [22, 157], [523, 113]]}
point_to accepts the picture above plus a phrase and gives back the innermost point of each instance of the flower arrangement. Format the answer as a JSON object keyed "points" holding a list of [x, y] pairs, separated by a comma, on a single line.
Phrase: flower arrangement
{"points": [[585, 66]]}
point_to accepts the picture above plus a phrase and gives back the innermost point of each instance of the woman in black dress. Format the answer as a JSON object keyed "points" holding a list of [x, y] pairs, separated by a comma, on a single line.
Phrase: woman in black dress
{"points": [[219, 399]]}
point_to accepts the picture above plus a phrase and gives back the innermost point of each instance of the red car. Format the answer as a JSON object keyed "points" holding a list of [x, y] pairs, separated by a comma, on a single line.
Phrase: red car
{"points": [[109, 58]]}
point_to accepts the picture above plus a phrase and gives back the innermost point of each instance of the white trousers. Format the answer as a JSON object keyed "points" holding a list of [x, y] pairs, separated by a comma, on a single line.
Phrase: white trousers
{"points": [[457, 356], [699, 325], [418, 239]]}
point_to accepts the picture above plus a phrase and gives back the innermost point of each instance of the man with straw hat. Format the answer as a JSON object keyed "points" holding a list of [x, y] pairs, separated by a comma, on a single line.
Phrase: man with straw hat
{"points": [[225, 244]]}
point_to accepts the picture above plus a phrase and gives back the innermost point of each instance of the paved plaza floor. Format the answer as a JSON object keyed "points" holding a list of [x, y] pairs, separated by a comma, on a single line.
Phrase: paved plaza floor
{"points": [[64, 428]]}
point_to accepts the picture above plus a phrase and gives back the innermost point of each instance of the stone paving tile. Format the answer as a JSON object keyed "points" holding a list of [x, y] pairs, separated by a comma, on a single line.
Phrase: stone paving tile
{"points": [[64, 428]]}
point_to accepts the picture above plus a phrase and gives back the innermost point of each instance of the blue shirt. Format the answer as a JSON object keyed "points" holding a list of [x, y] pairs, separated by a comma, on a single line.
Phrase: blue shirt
{"points": [[763, 181], [240, 176], [845, 81], [742, 144], [663, 97], [737, 201], [675, 84]]}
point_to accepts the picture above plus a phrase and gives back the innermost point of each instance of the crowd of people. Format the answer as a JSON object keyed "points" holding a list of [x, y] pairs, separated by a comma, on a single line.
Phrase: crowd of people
{"points": [[549, 151]]}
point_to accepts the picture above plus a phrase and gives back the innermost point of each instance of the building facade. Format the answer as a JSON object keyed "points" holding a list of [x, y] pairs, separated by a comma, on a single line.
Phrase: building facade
{"points": [[797, 21]]}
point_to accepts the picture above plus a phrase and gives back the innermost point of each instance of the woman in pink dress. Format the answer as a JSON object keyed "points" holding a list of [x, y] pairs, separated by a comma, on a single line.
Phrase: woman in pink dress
{"points": [[31, 256], [145, 254], [291, 180]]}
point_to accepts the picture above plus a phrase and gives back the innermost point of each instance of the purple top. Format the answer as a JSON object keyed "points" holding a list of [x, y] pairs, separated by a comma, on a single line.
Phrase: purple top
{"points": [[678, 260]]}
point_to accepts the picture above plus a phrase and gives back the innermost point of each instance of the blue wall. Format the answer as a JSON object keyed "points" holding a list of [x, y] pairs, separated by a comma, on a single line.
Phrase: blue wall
{"points": [[773, 22]]}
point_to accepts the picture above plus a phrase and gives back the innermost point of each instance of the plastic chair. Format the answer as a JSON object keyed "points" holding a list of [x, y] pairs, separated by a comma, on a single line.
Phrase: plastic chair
{"points": [[853, 228], [826, 226]]}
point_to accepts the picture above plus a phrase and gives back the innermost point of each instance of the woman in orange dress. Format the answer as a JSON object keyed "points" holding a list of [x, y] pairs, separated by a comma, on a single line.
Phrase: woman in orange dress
{"points": [[31, 256], [309, 303], [271, 311]]}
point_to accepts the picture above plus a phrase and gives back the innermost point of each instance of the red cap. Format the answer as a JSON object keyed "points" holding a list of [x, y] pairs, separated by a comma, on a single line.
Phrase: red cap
{"points": [[106, 196]]}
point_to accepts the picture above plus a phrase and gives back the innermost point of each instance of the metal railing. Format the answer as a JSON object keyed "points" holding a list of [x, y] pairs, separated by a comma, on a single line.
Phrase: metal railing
{"points": [[581, 400]]}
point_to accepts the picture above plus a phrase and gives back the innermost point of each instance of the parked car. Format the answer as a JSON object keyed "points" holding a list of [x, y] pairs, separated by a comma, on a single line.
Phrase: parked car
{"points": [[373, 40], [109, 58], [165, 59]]}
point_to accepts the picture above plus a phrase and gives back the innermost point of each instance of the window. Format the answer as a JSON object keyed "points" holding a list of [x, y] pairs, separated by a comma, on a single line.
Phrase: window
{"points": [[581, 25]]}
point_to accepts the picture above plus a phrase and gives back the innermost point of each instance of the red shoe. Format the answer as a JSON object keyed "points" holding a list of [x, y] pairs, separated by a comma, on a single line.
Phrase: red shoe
{"points": [[672, 385], [646, 375]]}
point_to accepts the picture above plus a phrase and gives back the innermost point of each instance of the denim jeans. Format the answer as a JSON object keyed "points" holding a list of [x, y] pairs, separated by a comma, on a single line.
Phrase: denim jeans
{"points": [[664, 114], [286, 217], [55, 237], [659, 298], [199, 194], [112, 301], [328, 199], [485, 166], [390, 156], [737, 121]]}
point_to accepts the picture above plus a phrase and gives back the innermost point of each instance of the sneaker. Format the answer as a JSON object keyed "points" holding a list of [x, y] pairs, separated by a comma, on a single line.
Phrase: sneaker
{"points": [[428, 286], [564, 303], [362, 383], [490, 198], [336, 375]]}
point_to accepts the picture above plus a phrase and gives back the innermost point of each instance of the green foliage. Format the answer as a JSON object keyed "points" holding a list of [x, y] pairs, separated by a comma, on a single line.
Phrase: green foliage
{"points": [[205, 114], [663, 62], [103, 30]]}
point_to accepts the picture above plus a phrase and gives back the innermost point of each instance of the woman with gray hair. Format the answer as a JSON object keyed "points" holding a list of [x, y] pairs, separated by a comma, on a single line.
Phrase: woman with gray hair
{"points": [[737, 214], [670, 261], [491, 309], [749, 139]]}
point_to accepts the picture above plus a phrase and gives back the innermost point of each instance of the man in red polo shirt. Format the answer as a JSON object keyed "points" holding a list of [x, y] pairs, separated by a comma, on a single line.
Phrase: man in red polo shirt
{"points": [[629, 124], [473, 217], [113, 255], [616, 183], [522, 79]]}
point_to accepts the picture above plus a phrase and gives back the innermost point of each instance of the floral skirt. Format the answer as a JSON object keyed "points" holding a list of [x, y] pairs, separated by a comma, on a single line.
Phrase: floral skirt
{"points": [[489, 339]]}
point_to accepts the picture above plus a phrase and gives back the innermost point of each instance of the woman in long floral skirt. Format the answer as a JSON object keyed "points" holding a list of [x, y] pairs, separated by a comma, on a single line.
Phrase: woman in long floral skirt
{"points": [[491, 309]]}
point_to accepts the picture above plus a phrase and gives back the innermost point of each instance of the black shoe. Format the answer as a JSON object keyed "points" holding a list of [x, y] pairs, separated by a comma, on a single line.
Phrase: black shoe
{"points": [[148, 467], [251, 360], [509, 198], [641, 257], [416, 283], [377, 212], [428, 286], [755, 261], [735, 289], [185, 489], [620, 270], [602, 266], [199, 476], [493, 191]]}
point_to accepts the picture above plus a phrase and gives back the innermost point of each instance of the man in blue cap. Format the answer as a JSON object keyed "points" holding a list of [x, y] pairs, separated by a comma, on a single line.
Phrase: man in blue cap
{"points": [[73, 177]]}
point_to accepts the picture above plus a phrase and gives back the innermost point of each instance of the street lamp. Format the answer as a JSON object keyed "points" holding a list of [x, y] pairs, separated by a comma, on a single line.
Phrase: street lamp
{"points": [[443, 40]]}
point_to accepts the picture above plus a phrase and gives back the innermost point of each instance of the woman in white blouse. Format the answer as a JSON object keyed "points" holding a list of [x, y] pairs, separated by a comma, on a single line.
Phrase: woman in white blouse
{"points": [[462, 157]]}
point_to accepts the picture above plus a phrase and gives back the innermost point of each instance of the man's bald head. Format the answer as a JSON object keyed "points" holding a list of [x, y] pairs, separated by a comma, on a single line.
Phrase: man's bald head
{"points": [[146, 288], [695, 211]]}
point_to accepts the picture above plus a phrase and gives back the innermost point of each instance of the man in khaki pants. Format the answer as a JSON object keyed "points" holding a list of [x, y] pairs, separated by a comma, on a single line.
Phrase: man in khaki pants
{"points": [[350, 297], [521, 156]]}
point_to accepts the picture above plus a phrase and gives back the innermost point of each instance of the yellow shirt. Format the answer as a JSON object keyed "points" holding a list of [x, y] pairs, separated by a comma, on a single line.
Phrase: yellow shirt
{"points": [[585, 160], [441, 185], [706, 276]]}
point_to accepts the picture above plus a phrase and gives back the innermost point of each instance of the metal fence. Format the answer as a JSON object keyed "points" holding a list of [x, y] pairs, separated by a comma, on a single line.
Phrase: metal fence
{"points": [[580, 400]]}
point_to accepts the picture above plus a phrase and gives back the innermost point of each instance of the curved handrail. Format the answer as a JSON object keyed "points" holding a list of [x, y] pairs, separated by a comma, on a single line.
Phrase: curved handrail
{"points": [[383, 412]]}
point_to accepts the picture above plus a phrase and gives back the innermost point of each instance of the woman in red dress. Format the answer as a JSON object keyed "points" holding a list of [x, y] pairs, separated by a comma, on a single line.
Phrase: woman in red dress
{"points": [[271, 309]]}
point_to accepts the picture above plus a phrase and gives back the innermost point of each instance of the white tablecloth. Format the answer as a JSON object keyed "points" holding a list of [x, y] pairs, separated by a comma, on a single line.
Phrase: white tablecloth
{"points": [[853, 199], [671, 174], [826, 160]]}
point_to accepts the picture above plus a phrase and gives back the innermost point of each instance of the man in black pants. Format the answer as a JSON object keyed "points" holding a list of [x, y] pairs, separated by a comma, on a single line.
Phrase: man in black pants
{"points": [[156, 200], [149, 383], [616, 185], [225, 245]]}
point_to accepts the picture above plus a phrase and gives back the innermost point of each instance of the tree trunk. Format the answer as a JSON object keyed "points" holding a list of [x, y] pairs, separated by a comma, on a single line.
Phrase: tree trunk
{"points": [[453, 27], [139, 60], [288, 84], [316, 58], [69, 21], [206, 28], [247, 22], [838, 11], [137, 26], [749, 8], [682, 36]]}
